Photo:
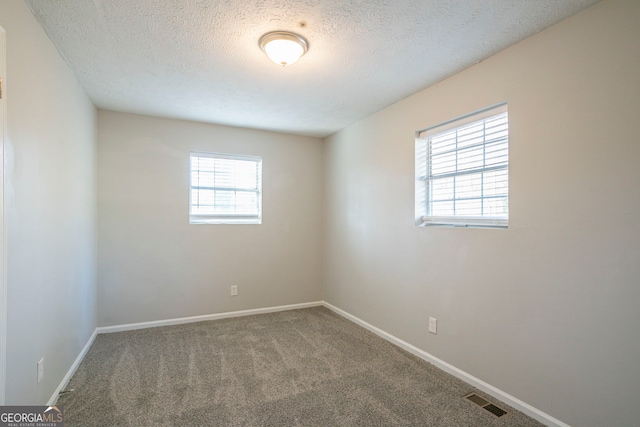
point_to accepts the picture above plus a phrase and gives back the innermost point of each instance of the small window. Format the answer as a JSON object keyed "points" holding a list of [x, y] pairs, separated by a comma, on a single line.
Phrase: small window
{"points": [[225, 189], [462, 171]]}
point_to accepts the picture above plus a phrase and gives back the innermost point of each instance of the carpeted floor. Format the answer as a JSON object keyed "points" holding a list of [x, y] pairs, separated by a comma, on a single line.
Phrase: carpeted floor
{"points": [[305, 367]]}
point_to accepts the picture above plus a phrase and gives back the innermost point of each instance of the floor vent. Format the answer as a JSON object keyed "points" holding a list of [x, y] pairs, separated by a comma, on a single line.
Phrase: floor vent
{"points": [[485, 404]]}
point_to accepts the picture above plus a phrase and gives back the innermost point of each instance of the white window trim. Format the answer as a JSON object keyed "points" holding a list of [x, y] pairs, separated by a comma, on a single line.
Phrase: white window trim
{"points": [[467, 221], [422, 187], [195, 218]]}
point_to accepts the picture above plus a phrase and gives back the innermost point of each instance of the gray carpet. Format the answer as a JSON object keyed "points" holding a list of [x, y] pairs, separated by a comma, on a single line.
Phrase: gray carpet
{"points": [[305, 367]]}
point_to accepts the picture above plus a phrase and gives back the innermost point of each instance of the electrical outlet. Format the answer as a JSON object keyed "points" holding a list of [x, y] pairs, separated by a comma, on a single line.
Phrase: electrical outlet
{"points": [[433, 325], [234, 290], [40, 366]]}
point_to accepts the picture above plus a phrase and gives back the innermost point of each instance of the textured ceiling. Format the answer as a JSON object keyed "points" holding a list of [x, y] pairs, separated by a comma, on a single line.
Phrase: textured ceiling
{"points": [[199, 59]]}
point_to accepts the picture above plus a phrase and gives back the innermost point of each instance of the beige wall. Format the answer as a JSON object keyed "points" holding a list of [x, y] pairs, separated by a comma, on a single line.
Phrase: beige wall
{"points": [[50, 210], [548, 309], [154, 265]]}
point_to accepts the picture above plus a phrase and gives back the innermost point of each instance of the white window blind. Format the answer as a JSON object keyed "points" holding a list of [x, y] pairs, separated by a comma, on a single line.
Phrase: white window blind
{"points": [[462, 171], [225, 189]]}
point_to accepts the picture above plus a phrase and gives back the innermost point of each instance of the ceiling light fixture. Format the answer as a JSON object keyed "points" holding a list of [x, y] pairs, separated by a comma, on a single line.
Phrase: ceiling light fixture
{"points": [[282, 47]]}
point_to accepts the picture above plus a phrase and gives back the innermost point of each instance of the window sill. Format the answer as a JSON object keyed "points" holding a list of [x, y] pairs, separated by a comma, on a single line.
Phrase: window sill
{"points": [[460, 221], [226, 220]]}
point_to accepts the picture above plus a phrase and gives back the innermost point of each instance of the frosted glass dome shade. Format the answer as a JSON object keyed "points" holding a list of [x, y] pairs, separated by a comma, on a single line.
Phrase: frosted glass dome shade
{"points": [[283, 48]]}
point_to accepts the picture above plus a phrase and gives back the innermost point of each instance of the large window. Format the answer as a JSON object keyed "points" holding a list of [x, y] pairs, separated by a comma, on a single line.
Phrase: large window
{"points": [[225, 189], [462, 171]]}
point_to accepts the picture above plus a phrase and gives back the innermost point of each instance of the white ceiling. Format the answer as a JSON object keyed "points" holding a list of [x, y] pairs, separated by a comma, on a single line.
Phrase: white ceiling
{"points": [[200, 60]]}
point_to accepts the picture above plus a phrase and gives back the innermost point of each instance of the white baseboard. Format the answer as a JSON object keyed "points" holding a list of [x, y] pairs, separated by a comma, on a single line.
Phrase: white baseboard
{"points": [[516, 403], [72, 369], [192, 319]]}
